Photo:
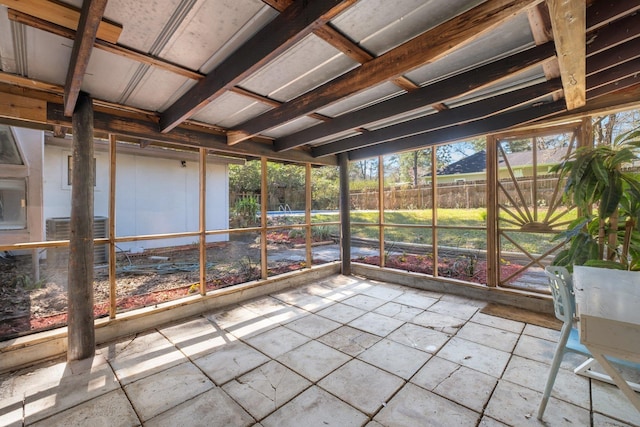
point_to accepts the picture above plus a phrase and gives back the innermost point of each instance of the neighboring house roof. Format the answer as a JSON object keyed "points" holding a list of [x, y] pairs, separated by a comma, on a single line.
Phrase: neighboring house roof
{"points": [[477, 162]]}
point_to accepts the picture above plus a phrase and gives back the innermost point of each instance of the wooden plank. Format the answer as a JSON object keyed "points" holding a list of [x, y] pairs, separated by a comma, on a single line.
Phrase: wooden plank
{"points": [[604, 12], [448, 88], [279, 5], [381, 249], [613, 57], [429, 46], [23, 108], [146, 128], [307, 214], [202, 219], [493, 242], [622, 31], [92, 11], [81, 331], [613, 87], [112, 226], [568, 23], [480, 127], [612, 75], [454, 116], [264, 197], [292, 25], [64, 15]]}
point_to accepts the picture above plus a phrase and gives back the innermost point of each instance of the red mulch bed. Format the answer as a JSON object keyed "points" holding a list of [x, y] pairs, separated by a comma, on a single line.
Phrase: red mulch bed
{"points": [[463, 267], [14, 327]]}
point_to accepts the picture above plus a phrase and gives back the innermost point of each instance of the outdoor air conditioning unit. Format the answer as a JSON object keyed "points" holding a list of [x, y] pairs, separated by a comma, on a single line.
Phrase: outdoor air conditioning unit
{"points": [[60, 229]]}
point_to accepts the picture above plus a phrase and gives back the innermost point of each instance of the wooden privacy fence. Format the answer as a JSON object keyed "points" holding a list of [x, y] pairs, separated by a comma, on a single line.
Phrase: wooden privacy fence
{"points": [[461, 195], [465, 195]]}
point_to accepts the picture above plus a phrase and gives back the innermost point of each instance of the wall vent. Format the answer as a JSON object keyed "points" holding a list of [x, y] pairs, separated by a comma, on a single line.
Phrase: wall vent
{"points": [[59, 229]]}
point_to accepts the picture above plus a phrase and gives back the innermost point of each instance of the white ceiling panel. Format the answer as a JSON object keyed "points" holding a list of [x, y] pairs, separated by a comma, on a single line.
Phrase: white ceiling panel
{"points": [[107, 75], [142, 21], [291, 127], [230, 109], [511, 37], [157, 89], [362, 99], [380, 25], [48, 56], [307, 65], [209, 25]]}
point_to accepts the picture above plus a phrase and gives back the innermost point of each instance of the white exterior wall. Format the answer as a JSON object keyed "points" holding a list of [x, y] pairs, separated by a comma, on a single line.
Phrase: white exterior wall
{"points": [[31, 146], [153, 195]]}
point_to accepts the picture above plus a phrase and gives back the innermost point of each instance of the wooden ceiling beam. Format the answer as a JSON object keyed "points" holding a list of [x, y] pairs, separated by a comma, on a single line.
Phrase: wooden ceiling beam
{"points": [[429, 46], [64, 15], [148, 129], [568, 24], [428, 95], [612, 87], [452, 117], [481, 127], [106, 46], [90, 18], [292, 25]]}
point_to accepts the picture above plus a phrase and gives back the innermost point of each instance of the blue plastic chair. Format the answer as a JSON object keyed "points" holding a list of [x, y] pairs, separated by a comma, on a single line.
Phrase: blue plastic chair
{"points": [[564, 305]]}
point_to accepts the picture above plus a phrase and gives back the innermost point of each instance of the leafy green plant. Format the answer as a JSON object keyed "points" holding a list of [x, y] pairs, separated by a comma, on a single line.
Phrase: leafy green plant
{"points": [[246, 209], [607, 196]]}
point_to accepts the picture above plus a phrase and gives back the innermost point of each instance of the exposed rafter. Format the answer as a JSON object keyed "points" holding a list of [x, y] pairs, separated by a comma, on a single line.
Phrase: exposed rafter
{"points": [[90, 18], [438, 92], [568, 23], [480, 127], [292, 25], [428, 46], [451, 117]]}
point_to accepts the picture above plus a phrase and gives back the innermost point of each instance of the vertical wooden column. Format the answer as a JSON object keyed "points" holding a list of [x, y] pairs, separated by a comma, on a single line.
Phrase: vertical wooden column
{"points": [[493, 240], [81, 334], [381, 210], [307, 213], [345, 215], [264, 195], [434, 209], [203, 220], [112, 226]]}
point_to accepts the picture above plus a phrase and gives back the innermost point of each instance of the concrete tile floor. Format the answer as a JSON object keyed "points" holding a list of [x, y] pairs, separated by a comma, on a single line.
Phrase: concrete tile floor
{"points": [[343, 352]]}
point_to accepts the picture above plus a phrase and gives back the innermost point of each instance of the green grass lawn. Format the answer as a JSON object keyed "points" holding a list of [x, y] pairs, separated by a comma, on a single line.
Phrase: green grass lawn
{"points": [[454, 237]]}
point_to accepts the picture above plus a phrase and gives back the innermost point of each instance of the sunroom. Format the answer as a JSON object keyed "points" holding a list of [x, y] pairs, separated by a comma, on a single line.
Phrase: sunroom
{"points": [[338, 193]]}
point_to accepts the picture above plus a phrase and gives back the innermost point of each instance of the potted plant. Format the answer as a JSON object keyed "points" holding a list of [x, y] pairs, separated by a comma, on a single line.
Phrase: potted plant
{"points": [[605, 233]]}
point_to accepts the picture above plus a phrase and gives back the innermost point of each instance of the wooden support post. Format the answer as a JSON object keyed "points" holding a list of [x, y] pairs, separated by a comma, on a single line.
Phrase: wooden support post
{"points": [[112, 226], [203, 221], [81, 333], [345, 215], [307, 214], [381, 209], [264, 195], [493, 239], [434, 209]]}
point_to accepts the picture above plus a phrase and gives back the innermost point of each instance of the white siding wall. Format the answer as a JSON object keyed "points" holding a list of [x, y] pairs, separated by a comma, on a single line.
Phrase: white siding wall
{"points": [[153, 196]]}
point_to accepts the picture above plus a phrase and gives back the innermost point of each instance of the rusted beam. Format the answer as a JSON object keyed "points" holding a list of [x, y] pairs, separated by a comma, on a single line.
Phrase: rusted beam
{"points": [[292, 25], [90, 18]]}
